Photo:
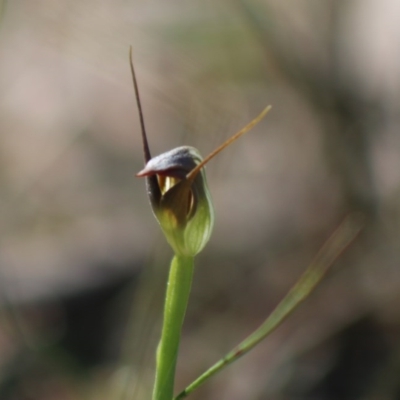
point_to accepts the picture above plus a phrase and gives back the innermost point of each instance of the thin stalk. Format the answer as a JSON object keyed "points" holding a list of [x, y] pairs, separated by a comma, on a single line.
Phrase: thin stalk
{"points": [[178, 290], [328, 254]]}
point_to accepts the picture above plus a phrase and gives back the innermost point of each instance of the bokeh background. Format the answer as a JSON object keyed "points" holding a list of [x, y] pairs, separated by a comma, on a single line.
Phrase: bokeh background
{"points": [[82, 261]]}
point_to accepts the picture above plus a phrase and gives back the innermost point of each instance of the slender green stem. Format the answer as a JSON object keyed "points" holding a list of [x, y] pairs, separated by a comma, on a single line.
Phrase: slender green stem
{"points": [[178, 289], [331, 250]]}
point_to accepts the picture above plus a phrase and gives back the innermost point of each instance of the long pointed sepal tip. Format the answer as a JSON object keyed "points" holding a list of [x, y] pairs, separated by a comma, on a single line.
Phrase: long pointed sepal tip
{"points": [[192, 174]]}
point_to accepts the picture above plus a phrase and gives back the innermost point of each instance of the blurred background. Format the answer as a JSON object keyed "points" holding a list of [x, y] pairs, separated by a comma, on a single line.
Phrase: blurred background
{"points": [[82, 262]]}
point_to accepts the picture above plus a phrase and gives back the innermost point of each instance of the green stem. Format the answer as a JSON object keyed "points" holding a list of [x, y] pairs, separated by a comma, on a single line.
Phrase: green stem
{"points": [[178, 289]]}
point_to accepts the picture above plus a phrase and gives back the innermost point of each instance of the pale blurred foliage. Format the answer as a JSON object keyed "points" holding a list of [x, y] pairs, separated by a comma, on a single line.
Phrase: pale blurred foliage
{"points": [[74, 216]]}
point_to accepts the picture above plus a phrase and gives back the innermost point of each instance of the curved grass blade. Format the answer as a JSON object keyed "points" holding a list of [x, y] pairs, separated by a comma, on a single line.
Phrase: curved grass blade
{"points": [[327, 255]]}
